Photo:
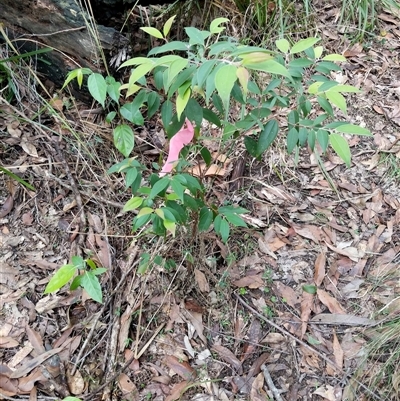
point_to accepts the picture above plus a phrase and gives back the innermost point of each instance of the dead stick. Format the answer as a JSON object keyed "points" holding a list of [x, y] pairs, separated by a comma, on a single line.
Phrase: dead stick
{"points": [[285, 332], [270, 383]]}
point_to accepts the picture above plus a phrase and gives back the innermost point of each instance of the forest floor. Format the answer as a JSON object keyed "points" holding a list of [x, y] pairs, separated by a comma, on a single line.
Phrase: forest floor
{"points": [[233, 321]]}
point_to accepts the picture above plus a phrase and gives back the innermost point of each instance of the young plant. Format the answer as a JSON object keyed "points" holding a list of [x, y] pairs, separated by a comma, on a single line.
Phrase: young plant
{"points": [[201, 79], [86, 278]]}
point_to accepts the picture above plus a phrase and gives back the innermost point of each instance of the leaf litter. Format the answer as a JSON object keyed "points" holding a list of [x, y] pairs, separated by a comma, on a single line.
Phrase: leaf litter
{"points": [[320, 265]]}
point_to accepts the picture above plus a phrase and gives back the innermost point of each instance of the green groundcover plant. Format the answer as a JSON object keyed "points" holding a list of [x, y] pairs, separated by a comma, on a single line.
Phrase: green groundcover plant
{"points": [[201, 79]]}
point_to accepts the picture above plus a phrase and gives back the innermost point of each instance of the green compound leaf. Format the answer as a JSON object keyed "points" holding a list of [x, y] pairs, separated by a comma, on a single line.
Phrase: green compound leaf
{"points": [[91, 284], [341, 147], [124, 139], [60, 278]]}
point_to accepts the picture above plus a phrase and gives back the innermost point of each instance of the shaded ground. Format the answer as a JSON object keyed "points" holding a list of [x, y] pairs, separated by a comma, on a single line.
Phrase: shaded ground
{"points": [[201, 328]]}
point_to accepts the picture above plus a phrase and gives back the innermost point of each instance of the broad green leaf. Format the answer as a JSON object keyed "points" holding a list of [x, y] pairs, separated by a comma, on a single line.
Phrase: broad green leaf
{"points": [[293, 119], [160, 214], [244, 77], [303, 135], [99, 271], [283, 45], [224, 230], [60, 278], [130, 89], [167, 25], [91, 284], [153, 104], [132, 113], [184, 78], [124, 139], [341, 147], [215, 25], [205, 219], [159, 186], [166, 113], [78, 74], [170, 226], [310, 288], [206, 155], [345, 88], [232, 209], [303, 45], [210, 116], [181, 102], [225, 78], [235, 220], [311, 139], [326, 67], [271, 66], [196, 37], [300, 63], [178, 188], [113, 91], [133, 204], [353, 129], [144, 263], [140, 71], [323, 139], [136, 61], [255, 57], [314, 87], [334, 57], [91, 264], [97, 87], [292, 139], [318, 50], [251, 146], [327, 86], [325, 105], [337, 99], [168, 47], [174, 69], [145, 211], [194, 112], [267, 136], [152, 32], [204, 71], [78, 262]]}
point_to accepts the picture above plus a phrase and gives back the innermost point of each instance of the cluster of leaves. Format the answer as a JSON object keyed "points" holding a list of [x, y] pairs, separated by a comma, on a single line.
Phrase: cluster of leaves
{"points": [[201, 79], [87, 278]]}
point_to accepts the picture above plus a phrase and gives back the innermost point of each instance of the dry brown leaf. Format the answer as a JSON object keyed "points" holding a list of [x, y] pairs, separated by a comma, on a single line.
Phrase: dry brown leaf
{"points": [[27, 219], [337, 351], [329, 393], [308, 231], [196, 319], [331, 303], [178, 390], [229, 357], [7, 206], [253, 339], [201, 280], [104, 254], [36, 340], [8, 386], [76, 384], [8, 342], [28, 147], [128, 388], [287, 293], [33, 363], [351, 252], [257, 393], [255, 281], [26, 384], [319, 272], [181, 368]]}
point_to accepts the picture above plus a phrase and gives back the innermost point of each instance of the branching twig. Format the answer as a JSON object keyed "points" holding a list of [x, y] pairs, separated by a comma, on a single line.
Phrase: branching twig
{"points": [[270, 383]]}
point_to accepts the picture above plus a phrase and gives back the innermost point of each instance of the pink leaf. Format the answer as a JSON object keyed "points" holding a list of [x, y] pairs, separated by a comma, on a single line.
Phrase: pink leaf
{"points": [[178, 141]]}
